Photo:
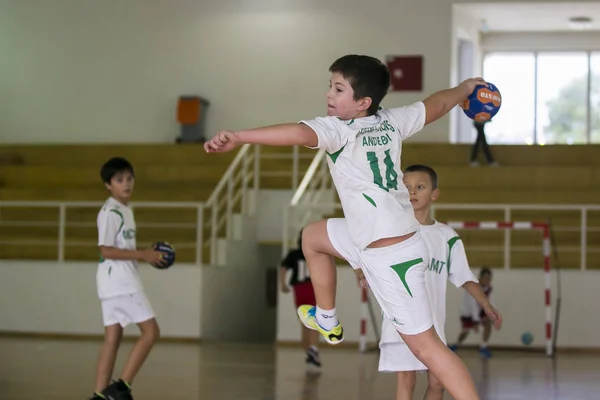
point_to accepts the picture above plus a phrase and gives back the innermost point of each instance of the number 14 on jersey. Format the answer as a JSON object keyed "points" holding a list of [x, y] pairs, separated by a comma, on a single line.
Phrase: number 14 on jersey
{"points": [[391, 176]]}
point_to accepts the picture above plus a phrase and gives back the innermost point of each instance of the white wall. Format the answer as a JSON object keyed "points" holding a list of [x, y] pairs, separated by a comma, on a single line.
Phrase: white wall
{"points": [[541, 41], [270, 213], [213, 303], [61, 298], [517, 294], [50, 297], [111, 71], [234, 295]]}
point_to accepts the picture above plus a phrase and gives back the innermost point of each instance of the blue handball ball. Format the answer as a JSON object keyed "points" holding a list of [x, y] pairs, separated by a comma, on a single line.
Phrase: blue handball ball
{"points": [[483, 104], [168, 254], [527, 338]]}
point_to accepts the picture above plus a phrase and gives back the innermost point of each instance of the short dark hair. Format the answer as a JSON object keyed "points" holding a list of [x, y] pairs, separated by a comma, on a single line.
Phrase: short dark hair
{"points": [[368, 77], [424, 168], [485, 271], [113, 167]]}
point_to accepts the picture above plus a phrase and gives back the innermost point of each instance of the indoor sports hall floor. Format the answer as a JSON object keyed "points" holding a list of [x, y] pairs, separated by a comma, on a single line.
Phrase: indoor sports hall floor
{"points": [[62, 369]]}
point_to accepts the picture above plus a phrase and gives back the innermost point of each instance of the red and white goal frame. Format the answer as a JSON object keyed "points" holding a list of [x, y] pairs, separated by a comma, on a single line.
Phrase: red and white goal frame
{"points": [[541, 226]]}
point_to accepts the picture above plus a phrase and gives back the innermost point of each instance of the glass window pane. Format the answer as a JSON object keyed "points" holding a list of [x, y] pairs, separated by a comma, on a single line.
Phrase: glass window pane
{"points": [[595, 98], [562, 98], [514, 75]]}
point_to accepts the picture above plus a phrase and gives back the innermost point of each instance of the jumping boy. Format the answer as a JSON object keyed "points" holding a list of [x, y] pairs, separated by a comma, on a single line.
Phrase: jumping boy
{"points": [[448, 261], [380, 232], [119, 285]]}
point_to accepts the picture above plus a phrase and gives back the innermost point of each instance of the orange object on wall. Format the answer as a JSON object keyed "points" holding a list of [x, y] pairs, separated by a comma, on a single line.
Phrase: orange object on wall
{"points": [[188, 111]]}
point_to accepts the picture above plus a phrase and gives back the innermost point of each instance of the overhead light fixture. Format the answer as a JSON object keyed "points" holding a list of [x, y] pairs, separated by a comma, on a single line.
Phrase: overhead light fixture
{"points": [[580, 23]]}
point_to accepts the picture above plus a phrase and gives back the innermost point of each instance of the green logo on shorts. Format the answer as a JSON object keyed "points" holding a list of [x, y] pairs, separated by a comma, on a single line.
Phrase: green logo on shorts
{"points": [[402, 268]]}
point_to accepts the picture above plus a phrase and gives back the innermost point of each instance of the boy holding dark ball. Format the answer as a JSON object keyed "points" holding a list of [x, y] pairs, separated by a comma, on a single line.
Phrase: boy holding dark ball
{"points": [[119, 285]]}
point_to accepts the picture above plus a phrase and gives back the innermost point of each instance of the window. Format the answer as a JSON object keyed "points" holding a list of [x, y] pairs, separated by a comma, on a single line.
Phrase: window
{"points": [[514, 75], [548, 97], [562, 86], [595, 98]]}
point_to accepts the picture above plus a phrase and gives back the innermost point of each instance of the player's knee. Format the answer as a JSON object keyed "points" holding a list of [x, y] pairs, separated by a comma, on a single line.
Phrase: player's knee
{"points": [[113, 336], [155, 333], [151, 331], [112, 341], [310, 237]]}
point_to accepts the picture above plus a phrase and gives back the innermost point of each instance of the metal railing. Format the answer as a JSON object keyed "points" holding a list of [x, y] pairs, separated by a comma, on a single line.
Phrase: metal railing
{"points": [[311, 191], [59, 221], [213, 219], [295, 156], [231, 193], [509, 211]]}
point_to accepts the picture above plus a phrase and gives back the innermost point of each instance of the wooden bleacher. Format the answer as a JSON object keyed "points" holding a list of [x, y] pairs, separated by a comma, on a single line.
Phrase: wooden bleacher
{"points": [[558, 175], [529, 174], [164, 173]]}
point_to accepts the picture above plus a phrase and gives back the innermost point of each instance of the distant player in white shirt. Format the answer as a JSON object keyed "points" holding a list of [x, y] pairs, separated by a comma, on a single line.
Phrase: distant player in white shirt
{"points": [[448, 261], [119, 285], [380, 233]]}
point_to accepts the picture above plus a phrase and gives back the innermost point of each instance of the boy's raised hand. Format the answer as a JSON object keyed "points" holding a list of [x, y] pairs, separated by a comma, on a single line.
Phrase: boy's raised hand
{"points": [[471, 83], [222, 142]]}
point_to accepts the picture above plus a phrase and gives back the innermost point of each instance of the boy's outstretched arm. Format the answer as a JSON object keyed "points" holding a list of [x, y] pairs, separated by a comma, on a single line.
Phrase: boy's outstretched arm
{"points": [[275, 135], [440, 103], [474, 289]]}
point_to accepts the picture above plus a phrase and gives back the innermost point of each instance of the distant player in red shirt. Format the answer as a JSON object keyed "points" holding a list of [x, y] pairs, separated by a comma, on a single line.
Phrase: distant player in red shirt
{"points": [[299, 280]]}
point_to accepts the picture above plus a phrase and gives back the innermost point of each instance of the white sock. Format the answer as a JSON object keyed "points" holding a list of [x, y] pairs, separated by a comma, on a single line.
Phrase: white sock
{"points": [[484, 345], [326, 318], [314, 348]]}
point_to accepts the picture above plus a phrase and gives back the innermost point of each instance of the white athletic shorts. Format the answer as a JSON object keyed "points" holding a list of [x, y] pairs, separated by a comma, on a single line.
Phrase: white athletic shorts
{"points": [[395, 274], [127, 309], [396, 357]]}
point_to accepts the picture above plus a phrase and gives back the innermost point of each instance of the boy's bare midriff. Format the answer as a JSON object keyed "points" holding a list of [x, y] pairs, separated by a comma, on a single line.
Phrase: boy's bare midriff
{"points": [[385, 242]]}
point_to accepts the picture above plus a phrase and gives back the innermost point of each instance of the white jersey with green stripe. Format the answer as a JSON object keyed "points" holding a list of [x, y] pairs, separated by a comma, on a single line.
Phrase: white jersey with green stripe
{"points": [[448, 262], [364, 161], [116, 228]]}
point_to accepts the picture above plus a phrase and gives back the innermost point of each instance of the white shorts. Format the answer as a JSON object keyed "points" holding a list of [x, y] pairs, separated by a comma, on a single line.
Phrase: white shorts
{"points": [[124, 310], [396, 357], [395, 274]]}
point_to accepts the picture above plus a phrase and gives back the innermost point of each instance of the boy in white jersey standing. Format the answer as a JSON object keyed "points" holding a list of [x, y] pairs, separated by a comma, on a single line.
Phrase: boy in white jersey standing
{"points": [[119, 285], [380, 233], [448, 261]]}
